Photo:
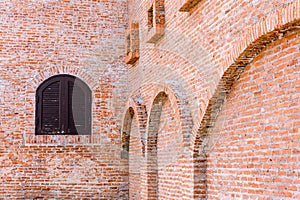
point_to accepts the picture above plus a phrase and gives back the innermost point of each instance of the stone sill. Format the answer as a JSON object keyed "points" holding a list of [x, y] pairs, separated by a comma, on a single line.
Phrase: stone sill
{"points": [[155, 33], [132, 57], [31, 139], [188, 5]]}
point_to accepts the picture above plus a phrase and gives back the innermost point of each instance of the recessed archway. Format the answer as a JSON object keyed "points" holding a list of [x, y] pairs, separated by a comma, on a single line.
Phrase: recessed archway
{"points": [[153, 128]]}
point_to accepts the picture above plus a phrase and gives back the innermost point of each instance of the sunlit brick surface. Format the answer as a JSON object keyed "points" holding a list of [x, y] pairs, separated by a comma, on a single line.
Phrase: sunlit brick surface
{"points": [[214, 102], [40, 39], [256, 137]]}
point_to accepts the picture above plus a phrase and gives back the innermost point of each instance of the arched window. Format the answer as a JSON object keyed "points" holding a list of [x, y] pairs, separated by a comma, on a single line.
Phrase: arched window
{"points": [[63, 107]]}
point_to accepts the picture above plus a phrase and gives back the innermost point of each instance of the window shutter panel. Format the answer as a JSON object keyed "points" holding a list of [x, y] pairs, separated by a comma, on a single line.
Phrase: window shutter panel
{"points": [[77, 106], [50, 109]]}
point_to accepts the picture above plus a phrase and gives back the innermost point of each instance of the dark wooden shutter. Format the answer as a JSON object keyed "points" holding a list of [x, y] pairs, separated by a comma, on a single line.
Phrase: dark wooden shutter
{"points": [[63, 106], [48, 109], [78, 107]]}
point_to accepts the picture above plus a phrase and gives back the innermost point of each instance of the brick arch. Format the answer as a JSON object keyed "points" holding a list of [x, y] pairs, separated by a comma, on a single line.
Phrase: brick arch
{"points": [[126, 130], [177, 97], [199, 84], [140, 111], [136, 145], [40, 76], [275, 26], [253, 41], [126, 152], [32, 84], [151, 150], [161, 92]]}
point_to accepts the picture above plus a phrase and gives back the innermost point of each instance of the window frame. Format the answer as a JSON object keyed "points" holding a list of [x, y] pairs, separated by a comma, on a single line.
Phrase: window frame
{"points": [[64, 104]]}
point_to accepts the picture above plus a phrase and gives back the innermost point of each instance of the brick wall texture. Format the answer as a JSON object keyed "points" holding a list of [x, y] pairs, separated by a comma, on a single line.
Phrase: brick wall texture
{"points": [[210, 109]]}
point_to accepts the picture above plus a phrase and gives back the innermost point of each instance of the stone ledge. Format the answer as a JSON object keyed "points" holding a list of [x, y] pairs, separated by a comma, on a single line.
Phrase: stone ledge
{"points": [[188, 5], [154, 34]]}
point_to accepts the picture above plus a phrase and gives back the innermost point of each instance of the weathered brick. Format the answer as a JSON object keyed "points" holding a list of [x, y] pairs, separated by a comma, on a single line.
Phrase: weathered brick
{"points": [[213, 99]]}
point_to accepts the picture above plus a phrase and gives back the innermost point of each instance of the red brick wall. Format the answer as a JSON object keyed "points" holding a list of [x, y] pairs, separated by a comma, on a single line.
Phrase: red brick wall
{"points": [[255, 143], [135, 153], [197, 47], [61, 172], [40, 39], [170, 148], [163, 152], [201, 54]]}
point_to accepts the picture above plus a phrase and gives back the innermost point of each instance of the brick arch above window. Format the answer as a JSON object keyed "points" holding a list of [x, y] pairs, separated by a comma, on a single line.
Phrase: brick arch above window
{"points": [[40, 76], [37, 78]]}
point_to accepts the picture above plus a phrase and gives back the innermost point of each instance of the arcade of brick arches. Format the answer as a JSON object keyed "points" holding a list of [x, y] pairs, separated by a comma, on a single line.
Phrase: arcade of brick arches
{"points": [[150, 99]]}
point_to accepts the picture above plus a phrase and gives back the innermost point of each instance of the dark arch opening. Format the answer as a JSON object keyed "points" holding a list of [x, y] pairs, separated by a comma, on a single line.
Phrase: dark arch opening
{"points": [[126, 133]]}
